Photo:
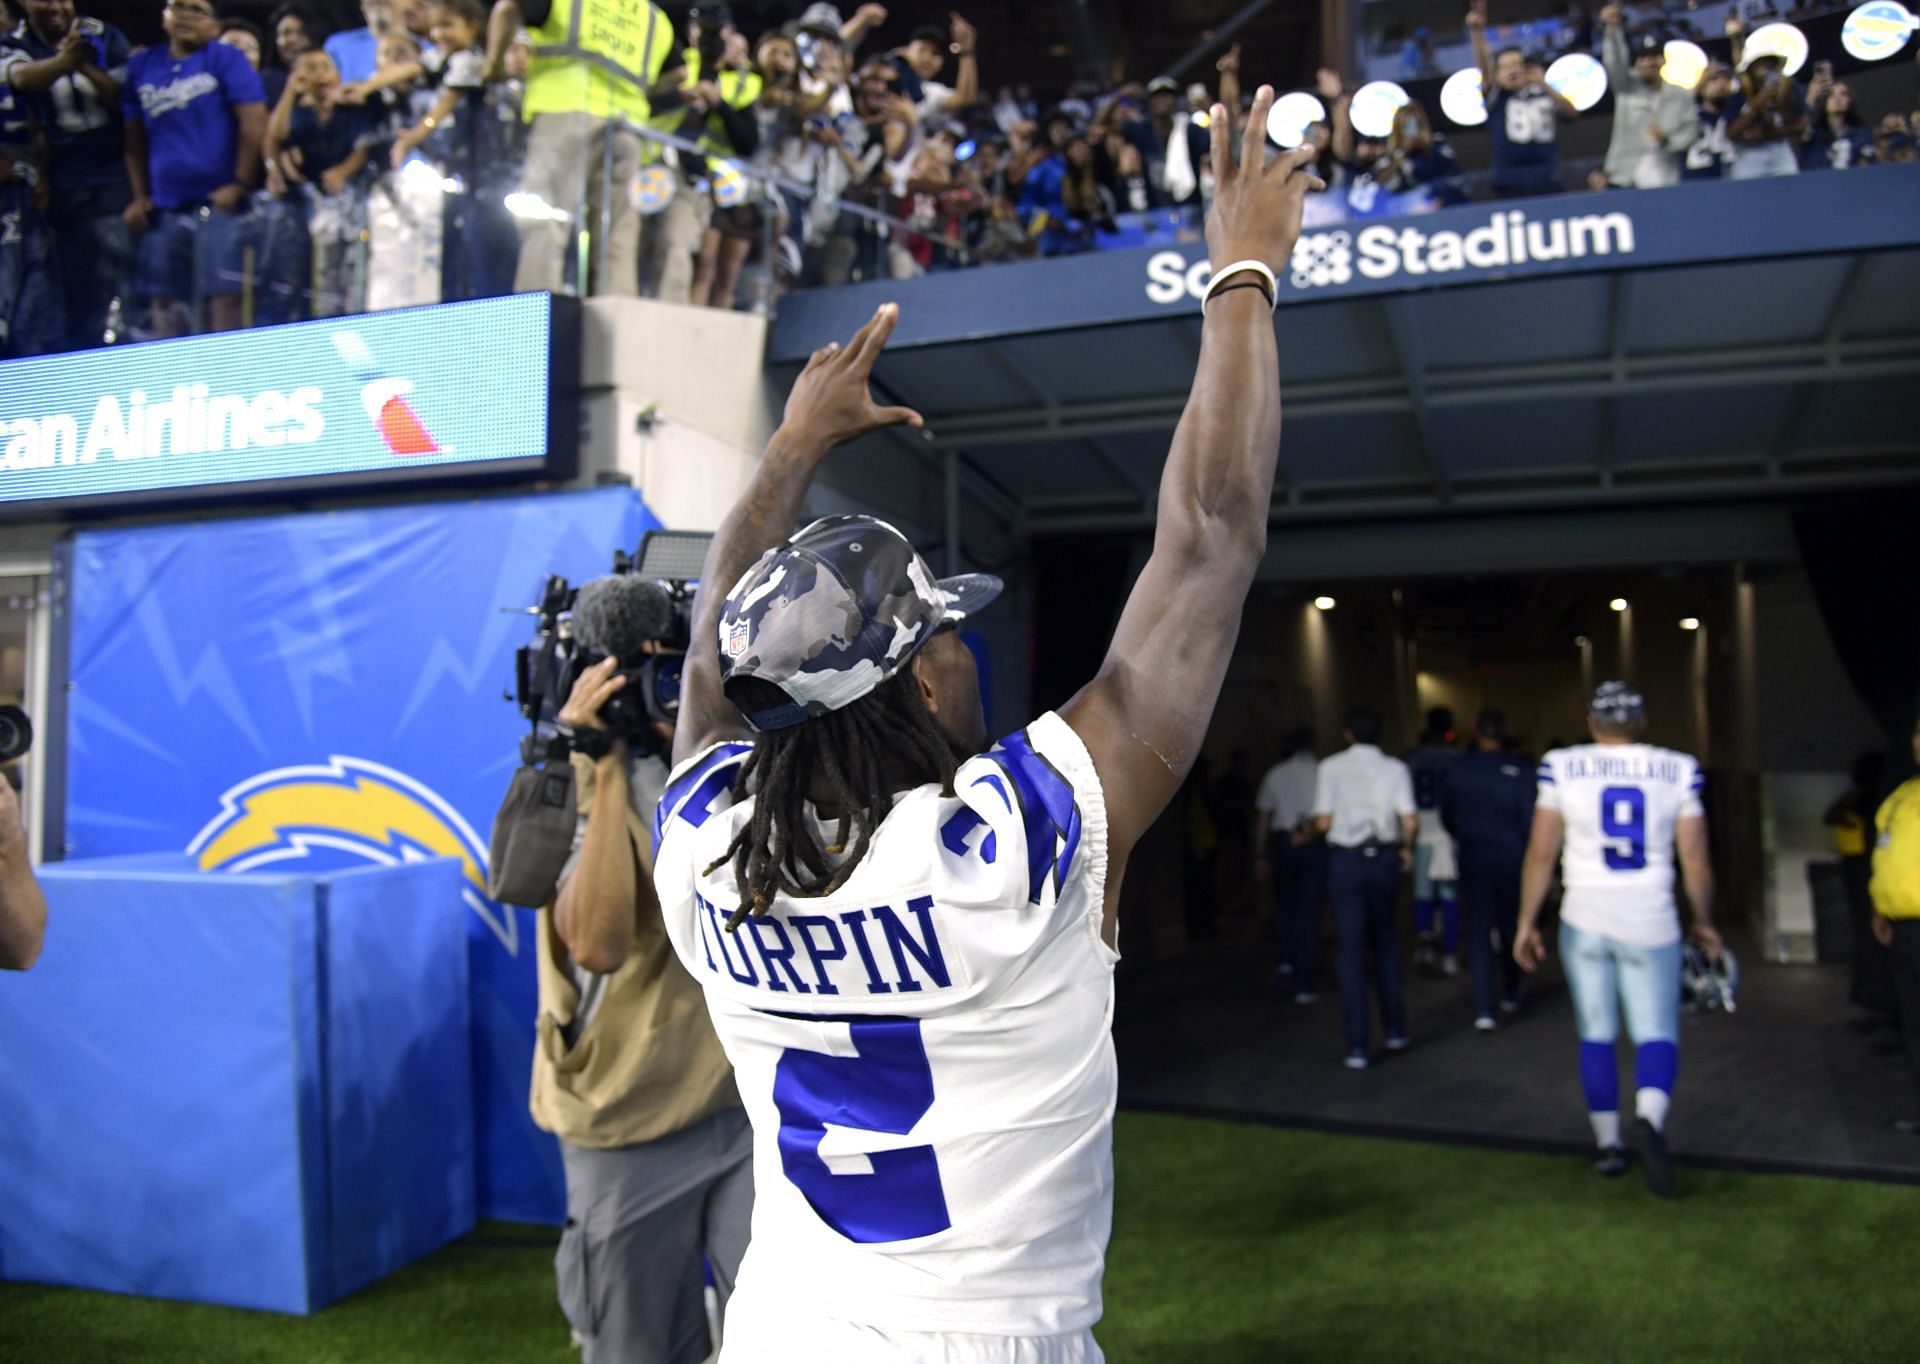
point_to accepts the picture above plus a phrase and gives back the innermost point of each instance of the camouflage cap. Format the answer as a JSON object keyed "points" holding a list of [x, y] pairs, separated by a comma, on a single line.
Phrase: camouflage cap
{"points": [[834, 612]]}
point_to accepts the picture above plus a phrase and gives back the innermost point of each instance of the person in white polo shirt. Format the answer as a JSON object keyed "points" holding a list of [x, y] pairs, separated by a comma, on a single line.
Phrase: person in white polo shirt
{"points": [[1363, 803]]}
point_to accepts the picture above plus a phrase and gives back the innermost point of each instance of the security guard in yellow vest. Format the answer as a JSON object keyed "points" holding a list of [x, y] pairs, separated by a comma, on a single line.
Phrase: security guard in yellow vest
{"points": [[593, 63], [1896, 909], [716, 111]]}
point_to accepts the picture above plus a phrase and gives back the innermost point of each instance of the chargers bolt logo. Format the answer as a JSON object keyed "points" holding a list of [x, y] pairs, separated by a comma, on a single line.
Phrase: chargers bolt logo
{"points": [[347, 810]]}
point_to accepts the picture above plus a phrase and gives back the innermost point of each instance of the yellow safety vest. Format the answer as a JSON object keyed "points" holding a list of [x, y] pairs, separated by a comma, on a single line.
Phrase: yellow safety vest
{"points": [[597, 57], [738, 88], [1896, 854]]}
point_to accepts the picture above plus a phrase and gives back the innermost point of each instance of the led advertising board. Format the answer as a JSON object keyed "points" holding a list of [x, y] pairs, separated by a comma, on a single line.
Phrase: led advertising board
{"points": [[484, 389]]}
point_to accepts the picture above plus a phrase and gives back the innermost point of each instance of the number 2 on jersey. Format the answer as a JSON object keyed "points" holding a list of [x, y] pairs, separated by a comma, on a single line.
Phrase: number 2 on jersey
{"points": [[1623, 820], [887, 1087]]}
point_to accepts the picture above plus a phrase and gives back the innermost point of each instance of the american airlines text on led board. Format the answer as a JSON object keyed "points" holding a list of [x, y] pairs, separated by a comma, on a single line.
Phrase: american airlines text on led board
{"points": [[411, 395]]}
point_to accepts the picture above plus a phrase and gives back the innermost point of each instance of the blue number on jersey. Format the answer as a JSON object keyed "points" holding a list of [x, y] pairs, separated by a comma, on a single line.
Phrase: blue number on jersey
{"points": [[1623, 819], [888, 1087]]}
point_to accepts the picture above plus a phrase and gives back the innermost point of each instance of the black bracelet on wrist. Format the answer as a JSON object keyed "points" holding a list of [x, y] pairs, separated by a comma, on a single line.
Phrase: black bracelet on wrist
{"points": [[1259, 284]]}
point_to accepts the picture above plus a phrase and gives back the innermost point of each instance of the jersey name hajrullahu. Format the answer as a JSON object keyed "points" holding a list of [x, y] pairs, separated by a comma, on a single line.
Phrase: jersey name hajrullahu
{"points": [[1619, 804], [926, 1053]]}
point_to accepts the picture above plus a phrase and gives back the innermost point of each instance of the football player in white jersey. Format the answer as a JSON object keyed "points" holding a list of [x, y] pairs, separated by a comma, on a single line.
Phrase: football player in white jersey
{"points": [[1626, 811], [906, 937]]}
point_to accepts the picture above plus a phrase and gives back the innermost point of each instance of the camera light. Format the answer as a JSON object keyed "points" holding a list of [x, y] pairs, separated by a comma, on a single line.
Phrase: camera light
{"points": [[1686, 63], [1617, 604], [1291, 115], [965, 151], [1580, 78], [1324, 603], [1373, 108], [1462, 100], [1877, 30]]}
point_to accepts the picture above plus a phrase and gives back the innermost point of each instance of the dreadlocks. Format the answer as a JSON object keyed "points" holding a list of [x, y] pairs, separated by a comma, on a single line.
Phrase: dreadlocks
{"points": [[858, 753]]}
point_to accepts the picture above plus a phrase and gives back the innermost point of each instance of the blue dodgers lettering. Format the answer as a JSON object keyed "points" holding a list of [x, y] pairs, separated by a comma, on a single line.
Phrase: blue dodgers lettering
{"points": [[818, 953], [776, 959], [925, 949]]}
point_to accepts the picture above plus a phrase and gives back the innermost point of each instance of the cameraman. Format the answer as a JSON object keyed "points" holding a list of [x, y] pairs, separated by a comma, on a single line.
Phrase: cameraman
{"points": [[627, 1071], [23, 910]]}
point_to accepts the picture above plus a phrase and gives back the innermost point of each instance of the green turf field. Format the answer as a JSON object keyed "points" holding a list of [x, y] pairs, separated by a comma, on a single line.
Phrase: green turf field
{"points": [[1241, 1243]]}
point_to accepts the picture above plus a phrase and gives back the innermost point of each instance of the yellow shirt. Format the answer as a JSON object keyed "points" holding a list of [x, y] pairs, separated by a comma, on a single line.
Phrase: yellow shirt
{"points": [[1896, 854]]}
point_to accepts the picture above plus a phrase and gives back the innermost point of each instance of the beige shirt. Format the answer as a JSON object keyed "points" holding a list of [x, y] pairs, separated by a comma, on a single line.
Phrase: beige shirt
{"points": [[645, 1063]]}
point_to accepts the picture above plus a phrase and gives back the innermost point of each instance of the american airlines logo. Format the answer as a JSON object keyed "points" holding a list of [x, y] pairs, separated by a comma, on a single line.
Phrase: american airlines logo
{"points": [[1384, 250], [195, 420]]}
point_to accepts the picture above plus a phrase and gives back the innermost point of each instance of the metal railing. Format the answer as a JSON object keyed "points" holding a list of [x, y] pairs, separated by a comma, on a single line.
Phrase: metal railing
{"points": [[386, 242]]}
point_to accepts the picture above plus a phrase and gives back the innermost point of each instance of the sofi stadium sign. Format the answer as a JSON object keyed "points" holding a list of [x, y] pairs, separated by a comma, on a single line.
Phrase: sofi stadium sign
{"points": [[411, 396], [1403, 251]]}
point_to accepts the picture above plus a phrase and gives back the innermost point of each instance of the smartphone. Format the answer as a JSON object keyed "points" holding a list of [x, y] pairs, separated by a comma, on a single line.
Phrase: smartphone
{"points": [[1823, 69]]}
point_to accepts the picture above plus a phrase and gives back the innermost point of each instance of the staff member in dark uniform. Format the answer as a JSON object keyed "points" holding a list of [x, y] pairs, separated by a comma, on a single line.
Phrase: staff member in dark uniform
{"points": [[1486, 802], [1363, 803]]}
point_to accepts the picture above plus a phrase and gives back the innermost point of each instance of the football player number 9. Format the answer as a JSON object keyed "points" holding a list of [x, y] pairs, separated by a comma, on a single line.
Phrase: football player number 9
{"points": [[1623, 819], [887, 1087]]}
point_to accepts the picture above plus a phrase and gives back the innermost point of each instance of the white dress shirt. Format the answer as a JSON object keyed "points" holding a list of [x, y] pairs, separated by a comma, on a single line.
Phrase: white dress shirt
{"points": [[1365, 792], [1286, 793]]}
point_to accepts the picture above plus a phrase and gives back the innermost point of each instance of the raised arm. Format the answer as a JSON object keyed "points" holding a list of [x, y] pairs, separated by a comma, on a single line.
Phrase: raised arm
{"points": [[1144, 716], [830, 405], [1613, 47], [503, 21], [966, 85], [1340, 122], [1482, 52]]}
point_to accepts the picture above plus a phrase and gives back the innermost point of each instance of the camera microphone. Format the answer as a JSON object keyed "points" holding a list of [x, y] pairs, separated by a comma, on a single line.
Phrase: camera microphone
{"points": [[622, 613]]}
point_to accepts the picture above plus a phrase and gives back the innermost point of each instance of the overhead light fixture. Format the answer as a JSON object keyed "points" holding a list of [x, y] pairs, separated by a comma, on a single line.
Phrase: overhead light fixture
{"points": [[1685, 64], [1582, 642], [1784, 41], [1580, 78], [1689, 622], [1290, 117], [1617, 604], [1462, 99], [1324, 603], [1375, 104], [1877, 30]]}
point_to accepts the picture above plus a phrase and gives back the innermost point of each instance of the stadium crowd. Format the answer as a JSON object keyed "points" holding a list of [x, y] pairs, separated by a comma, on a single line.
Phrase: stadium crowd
{"points": [[232, 176]]}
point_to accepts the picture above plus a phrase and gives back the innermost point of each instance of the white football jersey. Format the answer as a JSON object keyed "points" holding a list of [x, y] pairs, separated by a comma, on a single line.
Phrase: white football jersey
{"points": [[1619, 804], [926, 1054]]}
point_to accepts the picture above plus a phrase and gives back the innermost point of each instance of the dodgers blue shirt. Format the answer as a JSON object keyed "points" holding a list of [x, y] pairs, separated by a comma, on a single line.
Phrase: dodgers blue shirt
{"points": [[187, 104], [83, 130]]}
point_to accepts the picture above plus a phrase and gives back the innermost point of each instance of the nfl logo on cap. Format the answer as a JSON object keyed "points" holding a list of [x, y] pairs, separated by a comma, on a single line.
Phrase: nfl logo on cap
{"points": [[737, 639]]}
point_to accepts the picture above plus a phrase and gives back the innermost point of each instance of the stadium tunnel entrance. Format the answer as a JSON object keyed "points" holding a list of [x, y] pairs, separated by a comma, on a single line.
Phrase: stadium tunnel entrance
{"points": [[1472, 458]]}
